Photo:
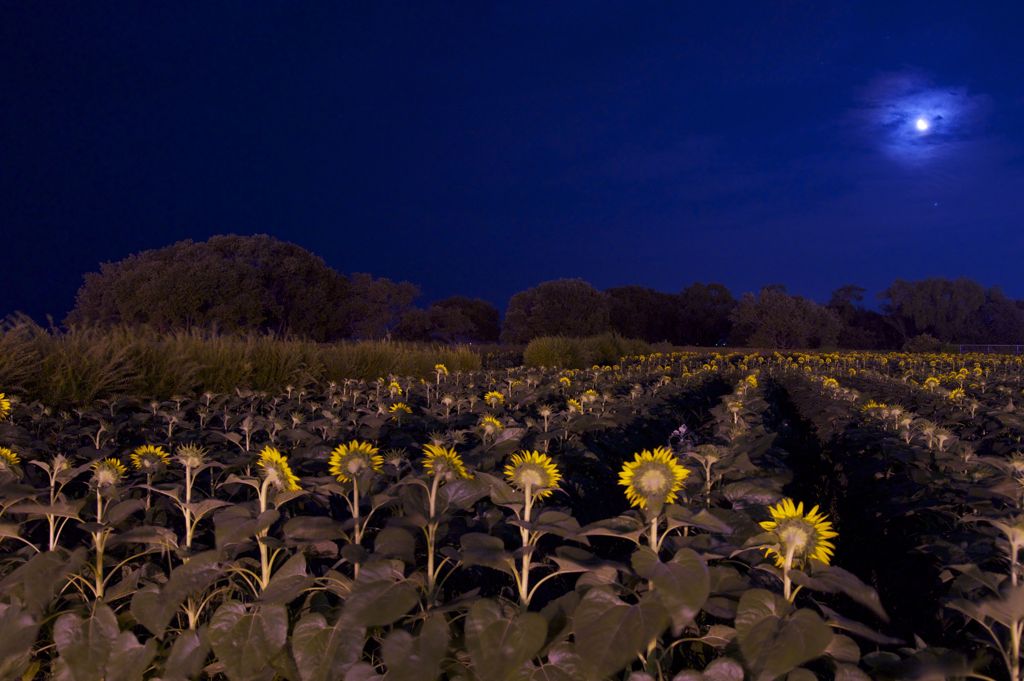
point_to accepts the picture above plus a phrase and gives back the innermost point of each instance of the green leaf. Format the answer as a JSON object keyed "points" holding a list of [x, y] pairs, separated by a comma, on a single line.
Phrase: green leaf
{"points": [[288, 581], [831, 579], [19, 635], [609, 633], [563, 664], [246, 640], [723, 669], [755, 605], [154, 606], [801, 674], [325, 652], [187, 657], [36, 582], [95, 649], [379, 602], [483, 549], [397, 543], [682, 585], [418, 658], [773, 645], [305, 529], [500, 643]]}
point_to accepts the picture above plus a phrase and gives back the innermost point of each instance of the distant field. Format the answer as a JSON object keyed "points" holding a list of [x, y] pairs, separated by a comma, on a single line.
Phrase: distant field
{"points": [[623, 520]]}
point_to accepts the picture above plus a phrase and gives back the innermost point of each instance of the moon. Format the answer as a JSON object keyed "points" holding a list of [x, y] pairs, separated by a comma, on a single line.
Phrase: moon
{"points": [[922, 124]]}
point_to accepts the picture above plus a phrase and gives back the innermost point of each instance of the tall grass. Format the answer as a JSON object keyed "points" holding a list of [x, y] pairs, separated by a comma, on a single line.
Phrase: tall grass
{"points": [[581, 353], [81, 365]]}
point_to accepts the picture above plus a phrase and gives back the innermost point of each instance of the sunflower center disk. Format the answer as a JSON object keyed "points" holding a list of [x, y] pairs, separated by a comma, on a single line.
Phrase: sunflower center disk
{"points": [[653, 482], [532, 476]]}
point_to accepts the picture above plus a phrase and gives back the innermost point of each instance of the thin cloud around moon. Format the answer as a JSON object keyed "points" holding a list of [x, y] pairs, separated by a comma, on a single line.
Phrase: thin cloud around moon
{"points": [[912, 120]]}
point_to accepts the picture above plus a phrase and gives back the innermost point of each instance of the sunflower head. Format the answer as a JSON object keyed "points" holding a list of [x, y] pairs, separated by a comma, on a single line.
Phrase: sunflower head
{"points": [[5, 406], [149, 459], [533, 470], [490, 425], [9, 462], [399, 408], [352, 458], [653, 478], [804, 536], [191, 455], [494, 398], [107, 473], [441, 369], [445, 462], [277, 471]]}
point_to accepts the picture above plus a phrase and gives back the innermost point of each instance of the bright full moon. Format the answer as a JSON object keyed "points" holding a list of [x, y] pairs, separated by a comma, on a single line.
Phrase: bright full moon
{"points": [[921, 124]]}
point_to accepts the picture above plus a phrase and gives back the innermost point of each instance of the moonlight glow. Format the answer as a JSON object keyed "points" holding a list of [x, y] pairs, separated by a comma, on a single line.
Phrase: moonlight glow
{"points": [[922, 124]]}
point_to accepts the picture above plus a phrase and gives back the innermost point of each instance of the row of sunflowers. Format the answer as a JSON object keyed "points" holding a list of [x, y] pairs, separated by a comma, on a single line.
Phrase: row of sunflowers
{"points": [[655, 519]]}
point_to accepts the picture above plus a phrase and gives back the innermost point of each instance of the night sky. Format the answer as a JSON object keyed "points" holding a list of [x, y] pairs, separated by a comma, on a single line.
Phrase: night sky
{"points": [[481, 148]]}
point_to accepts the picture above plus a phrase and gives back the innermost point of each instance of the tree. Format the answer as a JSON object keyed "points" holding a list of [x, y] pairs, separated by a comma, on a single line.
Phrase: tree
{"points": [[947, 309], [564, 307], [453, 320], [375, 306], [775, 319], [640, 312], [230, 282], [465, 320], [861, 329], [239, 283], [705, 314]]}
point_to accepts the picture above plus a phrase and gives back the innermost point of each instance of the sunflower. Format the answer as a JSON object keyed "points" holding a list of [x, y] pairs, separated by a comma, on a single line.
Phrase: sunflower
{"points": [[535, 470], [440, 370], [107, 472], [277, 471], [805, 536], [9, 461], [494, 398], [350, 459], [653, 477], [5, 406], [444, 461], [191, 455], [490, 425], [149, 458], [399, 408]]}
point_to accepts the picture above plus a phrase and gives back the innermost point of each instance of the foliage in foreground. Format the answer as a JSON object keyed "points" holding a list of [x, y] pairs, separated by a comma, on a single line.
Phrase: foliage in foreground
{"points": [[523, 525], [82, 365]]}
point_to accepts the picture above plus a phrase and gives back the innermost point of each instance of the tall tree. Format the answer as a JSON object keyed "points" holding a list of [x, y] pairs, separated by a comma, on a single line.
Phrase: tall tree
{"points": [[705, 314], [566, 307], [944, 308], [239, 283], [640, 312], [776, 319]]}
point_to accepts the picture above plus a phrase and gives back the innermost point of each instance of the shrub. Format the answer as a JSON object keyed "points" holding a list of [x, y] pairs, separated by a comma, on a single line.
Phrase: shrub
{"points": [[581, 353]]}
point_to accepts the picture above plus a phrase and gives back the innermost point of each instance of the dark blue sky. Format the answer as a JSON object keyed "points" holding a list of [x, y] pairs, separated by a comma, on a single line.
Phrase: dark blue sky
{"points": [[481, 148]]}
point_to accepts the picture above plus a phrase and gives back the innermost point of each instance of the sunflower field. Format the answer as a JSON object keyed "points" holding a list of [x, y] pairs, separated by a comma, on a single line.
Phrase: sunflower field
{"points": [[672, 517]]}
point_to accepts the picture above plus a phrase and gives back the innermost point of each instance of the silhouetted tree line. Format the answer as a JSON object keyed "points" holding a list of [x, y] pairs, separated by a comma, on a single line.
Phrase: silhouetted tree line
{"points": [[258, 283]]}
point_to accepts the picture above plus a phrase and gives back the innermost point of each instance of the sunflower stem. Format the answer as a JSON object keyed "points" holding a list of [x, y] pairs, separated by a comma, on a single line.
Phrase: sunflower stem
{"points": [[261, 535], [432, 535], [357, 530], [787, 582], [524, 533]]}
